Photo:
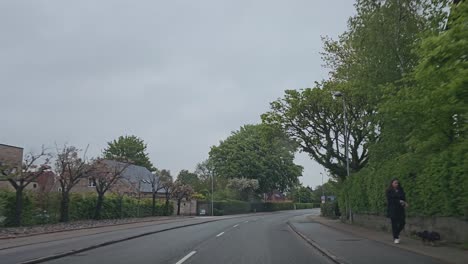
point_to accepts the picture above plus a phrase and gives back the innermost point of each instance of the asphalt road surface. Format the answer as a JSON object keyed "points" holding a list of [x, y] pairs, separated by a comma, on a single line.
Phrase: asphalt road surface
{"points": [[261, 238]]}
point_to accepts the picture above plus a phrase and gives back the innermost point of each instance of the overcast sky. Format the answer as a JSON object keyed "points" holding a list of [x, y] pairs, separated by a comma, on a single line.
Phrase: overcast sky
{"points": [[179, 74]]}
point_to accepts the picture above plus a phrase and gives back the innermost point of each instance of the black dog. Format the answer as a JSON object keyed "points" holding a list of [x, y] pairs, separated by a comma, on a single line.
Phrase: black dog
{"points": [[427, 236]]}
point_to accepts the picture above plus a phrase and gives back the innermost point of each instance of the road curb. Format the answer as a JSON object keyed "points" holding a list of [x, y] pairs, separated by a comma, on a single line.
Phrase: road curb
{"points": [[324, 251], [75, 251]]}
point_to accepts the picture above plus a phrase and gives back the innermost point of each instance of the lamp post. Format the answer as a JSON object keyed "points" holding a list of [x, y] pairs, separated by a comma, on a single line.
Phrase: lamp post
{"points": [[345, 120], [323, 192], [212, 192]]}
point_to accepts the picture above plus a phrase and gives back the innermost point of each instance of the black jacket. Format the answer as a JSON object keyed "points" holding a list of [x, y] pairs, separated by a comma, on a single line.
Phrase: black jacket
{"points": [[394, 208]]}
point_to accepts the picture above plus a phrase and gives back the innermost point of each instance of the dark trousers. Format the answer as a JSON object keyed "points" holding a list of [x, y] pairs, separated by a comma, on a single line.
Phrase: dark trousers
{"points": [[398, 223]]}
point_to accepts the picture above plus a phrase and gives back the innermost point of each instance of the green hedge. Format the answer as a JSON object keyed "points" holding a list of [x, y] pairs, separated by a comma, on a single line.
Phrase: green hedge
{"points": [[306, 206], [227, 207], [330, 209], [46, 209]]}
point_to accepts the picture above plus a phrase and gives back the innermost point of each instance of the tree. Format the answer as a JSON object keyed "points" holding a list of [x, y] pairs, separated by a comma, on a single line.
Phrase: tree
{"points": [[189, 178], [129, 149], [244, 188], [166, 182], [258, 152], [314, 119], [157, 183], [302, 194], [70, 169], [181, 191], [104, 174], [21, 178]]}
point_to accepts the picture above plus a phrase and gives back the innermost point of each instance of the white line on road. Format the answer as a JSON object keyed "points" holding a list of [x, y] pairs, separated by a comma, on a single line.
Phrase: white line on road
{"points": [[186, 257], [246, 221], [236, 225], [220, 234]]}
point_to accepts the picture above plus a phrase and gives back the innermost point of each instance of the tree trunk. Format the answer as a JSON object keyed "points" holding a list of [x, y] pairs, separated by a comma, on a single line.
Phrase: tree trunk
{"points": [[97, 212], [178, 206], [64, 207], [19, 206], [153, 212], [167, 204], [120, 206]]}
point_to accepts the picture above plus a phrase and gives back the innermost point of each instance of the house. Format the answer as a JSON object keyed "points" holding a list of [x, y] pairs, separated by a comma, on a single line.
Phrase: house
{"points": [[135, 181], [275, 196]]}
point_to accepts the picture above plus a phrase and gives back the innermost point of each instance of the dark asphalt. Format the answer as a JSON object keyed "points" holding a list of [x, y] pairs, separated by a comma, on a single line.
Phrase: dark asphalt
{"points": [[258, 239], [262, 238]]}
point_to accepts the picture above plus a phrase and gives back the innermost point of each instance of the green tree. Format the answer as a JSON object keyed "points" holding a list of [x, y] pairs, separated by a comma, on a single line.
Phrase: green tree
{"points": [[129, 148], [259, 152], [189, 178]]}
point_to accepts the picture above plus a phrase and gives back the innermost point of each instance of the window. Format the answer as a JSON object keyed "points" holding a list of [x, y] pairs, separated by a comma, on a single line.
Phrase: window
{"points": [[34, 185], [91, 183]]}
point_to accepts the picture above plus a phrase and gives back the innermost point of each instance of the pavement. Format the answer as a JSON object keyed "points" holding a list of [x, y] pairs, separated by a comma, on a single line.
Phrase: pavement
{"points": [[253, 238], [441, 253]]}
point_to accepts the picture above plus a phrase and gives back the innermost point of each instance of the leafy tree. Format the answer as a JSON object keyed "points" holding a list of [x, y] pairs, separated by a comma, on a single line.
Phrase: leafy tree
{"points": [[244, 188], [129, 148], [34, 165], [181, 191], [189, 178], [70, 168], [258, 152], [302, 194]]}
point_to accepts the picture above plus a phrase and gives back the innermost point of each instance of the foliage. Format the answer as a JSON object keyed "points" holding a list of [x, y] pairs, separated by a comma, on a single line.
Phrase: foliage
{"points": [[244, 188], [258, 152], [82, 207], [306, 205], [303, 194], [423, 130], [129, 149], [316, 121], [330, 209]]}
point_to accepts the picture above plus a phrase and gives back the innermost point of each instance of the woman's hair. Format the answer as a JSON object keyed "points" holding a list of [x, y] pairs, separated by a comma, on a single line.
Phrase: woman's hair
{"points": [[390, 186]]}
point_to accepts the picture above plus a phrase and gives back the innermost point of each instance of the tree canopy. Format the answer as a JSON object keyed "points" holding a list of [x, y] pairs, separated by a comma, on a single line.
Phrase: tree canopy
{"points": [[258, 152], [129, 149]]}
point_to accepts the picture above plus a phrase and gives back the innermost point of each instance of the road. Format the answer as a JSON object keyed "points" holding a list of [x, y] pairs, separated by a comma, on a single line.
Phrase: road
{"points": [[261, 238]]}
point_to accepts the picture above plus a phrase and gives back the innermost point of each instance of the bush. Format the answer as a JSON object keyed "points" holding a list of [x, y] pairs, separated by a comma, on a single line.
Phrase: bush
{"points": [[305, 206], [330, 209]]}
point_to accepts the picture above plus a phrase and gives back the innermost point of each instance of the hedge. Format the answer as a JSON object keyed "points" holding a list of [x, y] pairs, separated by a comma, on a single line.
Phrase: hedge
{"points": [[39, 209], [330, 209], [227, 207], [306, 206]]}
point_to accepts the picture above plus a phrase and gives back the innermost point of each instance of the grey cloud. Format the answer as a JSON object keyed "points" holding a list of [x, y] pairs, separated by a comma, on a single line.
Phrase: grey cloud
{"points": [[180, 74]]}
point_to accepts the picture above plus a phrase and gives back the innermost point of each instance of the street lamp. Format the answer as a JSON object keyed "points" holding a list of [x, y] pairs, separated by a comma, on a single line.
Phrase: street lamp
{"points": [[212, 190], [323, 192], [345, 120]]}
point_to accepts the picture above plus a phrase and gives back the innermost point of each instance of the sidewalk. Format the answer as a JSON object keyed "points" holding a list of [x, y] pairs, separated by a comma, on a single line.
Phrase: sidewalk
{"points": [[442, 253]]}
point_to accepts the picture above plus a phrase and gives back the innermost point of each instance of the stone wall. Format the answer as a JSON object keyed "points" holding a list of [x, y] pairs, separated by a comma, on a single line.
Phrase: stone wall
{"points": [[186, 207], [451, 229]]}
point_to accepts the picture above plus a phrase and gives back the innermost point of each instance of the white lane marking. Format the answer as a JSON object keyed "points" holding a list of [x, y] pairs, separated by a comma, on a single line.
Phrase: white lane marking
{"points": [[186, 257], [220, 234], [236, 225], [246, 221]]}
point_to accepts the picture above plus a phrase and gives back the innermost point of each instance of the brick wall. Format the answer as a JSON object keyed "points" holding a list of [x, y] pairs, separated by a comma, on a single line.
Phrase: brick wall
{"points": [[11, 156]]}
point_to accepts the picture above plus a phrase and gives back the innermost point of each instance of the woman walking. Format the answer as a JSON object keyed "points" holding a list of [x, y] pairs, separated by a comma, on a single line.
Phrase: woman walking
{"points": [[396, 203]]}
